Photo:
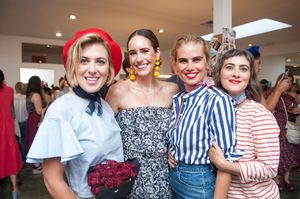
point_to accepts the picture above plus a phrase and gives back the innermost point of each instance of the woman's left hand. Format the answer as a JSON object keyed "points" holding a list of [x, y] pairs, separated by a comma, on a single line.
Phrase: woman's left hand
{"points": [[171, 160], [295, 111], [216, 155]]}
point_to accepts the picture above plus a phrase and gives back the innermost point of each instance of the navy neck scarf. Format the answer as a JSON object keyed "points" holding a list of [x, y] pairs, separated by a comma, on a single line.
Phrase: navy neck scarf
{"points": [[239, 98], [95, 100]]}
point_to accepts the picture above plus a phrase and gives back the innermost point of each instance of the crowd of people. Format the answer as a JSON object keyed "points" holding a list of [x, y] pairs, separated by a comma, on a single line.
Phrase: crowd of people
{"points": [[21, 114], [194, 136]]}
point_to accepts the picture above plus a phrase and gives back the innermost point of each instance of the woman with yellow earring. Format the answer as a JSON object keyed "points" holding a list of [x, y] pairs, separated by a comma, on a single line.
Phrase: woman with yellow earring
{"points": [[142, 105]]}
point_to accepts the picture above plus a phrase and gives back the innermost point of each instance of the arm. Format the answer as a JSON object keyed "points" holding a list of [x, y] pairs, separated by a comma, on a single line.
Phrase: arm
{"points": [[223, 126], [265, 140], [282, 86], [222, 185], [265, 133], [216, 155], [225, 170], [36, 99], [53, 172]]}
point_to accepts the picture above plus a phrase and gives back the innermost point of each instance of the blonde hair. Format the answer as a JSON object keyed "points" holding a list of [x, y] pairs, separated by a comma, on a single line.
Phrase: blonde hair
{"points": [[20, 88], [188, 38], [74, 55]]}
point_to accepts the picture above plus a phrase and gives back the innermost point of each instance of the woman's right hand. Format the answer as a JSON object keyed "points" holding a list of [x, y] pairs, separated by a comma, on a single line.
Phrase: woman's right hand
{"points": [[283, 84], [171, 160], [216, 155]]}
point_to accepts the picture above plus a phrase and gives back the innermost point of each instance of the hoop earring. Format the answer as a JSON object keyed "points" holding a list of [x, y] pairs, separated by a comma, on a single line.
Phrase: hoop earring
{"points": [[132, 74], [156, 68]]}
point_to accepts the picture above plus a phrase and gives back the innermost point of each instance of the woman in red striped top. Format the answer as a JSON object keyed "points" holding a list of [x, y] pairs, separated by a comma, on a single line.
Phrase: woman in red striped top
{"points": [[257, 131]]}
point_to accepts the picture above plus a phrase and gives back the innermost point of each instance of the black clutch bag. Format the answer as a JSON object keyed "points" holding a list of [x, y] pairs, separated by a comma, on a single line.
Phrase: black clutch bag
{"points": [[113, 180]]}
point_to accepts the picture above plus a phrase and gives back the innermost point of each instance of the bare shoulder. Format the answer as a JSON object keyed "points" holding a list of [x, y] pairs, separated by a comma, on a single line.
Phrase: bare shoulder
{"points": [[36, 96], [119, 88], [116, 93], [169, 87]]}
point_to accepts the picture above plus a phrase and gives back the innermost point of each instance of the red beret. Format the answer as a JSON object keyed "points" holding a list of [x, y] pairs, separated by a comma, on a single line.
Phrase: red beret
{"points": [[114, 47]]}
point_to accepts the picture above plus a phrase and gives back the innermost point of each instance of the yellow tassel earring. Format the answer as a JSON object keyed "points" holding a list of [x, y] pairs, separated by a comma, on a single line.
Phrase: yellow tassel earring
{"points": [[156, 68], [131, 74]]}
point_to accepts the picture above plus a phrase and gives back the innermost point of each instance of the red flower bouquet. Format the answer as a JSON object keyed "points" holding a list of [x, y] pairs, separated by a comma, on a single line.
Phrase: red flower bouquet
{"points": [[112, 180]]}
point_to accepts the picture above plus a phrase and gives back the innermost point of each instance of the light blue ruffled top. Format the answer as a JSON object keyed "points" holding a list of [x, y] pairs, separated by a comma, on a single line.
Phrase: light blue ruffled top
{"points": [[79, 139]]}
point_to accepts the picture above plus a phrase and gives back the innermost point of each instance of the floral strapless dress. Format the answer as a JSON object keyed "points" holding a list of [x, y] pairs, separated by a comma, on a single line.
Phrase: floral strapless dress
{"points": [[143, 134]]}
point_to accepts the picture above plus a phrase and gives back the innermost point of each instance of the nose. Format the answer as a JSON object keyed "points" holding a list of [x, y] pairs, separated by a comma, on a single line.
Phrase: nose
{"points": [[92, 67], [139, 57], [190, 65], [236, 72]]}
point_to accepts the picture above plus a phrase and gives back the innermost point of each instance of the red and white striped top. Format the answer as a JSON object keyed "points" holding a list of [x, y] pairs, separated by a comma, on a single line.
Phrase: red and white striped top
{"points": [[257, 135]]}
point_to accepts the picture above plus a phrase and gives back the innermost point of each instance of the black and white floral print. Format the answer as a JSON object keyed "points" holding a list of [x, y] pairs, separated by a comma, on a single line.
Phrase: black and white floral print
{"points": [[143, 133]]}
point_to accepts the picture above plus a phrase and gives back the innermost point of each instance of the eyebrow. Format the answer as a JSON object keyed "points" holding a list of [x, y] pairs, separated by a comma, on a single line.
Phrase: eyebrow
{"points": [[196, 57], [96, 57], [139, 49], [238, 65]]}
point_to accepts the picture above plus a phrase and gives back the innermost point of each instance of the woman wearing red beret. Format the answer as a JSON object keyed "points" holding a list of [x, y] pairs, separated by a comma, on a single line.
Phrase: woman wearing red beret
{"points": [[79, 129]]}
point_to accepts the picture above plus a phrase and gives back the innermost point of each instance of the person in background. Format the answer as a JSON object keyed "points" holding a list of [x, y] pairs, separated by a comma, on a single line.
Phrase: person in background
{"points": [[46, 93], [257, 130], [281, 86], [254, 50], [55, 92], [142, 104], [294, 92], [10, 156], [174, 78], [36, 106], [264, 85], [126, 65], [79, 129], [21, 113], [289, 153], [64, 86], [201, 114]]}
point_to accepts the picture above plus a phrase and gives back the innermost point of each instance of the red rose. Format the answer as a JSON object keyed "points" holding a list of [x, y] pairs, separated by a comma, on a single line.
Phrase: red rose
{"points": [[110, 175]]}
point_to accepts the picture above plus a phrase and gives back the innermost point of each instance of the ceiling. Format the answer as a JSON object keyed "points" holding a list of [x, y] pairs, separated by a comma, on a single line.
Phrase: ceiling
{"points": [[43, 18]]}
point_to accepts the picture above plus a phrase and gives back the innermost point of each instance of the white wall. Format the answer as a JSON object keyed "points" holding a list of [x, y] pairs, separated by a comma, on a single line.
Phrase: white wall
{"points": [[165, 68], [11, 58], [272, 66]]}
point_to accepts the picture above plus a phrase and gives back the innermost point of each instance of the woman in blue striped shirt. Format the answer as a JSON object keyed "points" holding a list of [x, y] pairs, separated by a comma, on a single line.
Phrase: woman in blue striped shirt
{"points": [[201, 114]]}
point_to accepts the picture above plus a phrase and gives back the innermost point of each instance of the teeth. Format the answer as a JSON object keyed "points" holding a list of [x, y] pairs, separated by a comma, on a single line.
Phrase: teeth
{"points": [[91, 79], [141, 66], [191, 75]]}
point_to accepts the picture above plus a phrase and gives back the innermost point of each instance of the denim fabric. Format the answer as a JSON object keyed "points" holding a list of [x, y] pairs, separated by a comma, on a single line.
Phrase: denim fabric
{"points": [[193, 181], [22, 126]]}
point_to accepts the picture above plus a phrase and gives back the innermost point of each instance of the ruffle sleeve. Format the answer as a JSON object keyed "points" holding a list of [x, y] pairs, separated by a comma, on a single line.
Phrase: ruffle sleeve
{"points": [[55, 138]]}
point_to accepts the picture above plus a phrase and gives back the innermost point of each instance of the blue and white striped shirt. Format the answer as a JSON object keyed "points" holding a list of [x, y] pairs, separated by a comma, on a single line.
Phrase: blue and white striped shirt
{"points": [[206, 114]]}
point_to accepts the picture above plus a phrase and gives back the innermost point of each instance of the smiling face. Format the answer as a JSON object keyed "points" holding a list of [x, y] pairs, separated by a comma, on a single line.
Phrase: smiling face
{"points": [[93, 68], [142, 55], [235, 75], [191, 63]]}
